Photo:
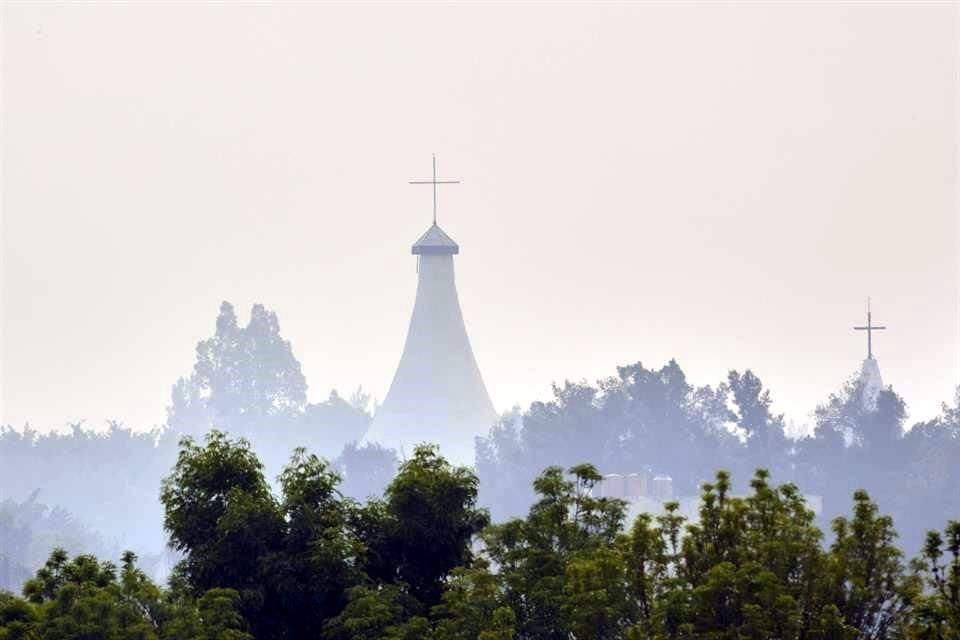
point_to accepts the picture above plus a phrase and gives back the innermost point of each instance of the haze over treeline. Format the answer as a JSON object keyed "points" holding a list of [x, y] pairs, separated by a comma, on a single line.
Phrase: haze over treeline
{"points": [[97, 491], [421, 561]]}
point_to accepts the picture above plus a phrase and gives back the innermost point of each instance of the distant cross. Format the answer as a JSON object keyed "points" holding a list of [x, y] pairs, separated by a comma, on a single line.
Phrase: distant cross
{"points": [[434, 181], [870, 328]]}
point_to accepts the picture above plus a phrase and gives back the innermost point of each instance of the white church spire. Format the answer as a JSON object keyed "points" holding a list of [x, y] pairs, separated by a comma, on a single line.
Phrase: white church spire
{"points": [[870, 381], [437, 394]]}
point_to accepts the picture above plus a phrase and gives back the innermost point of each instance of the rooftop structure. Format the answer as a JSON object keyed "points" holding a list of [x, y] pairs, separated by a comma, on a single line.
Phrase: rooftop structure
{"points": [[437, 394], [870, 381]]}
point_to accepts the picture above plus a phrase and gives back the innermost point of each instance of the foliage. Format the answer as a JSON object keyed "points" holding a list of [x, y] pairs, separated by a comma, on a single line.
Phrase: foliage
{"points": [[242, 377], [246, 380], [289, 559], [641, 419], [431, 518], [84, 598], [28, 530], [301, 557], [423, 562], [310, 558], [565, 524], [653, 420], [937, 610], [866, 573], [750, 567], [367, 469]]}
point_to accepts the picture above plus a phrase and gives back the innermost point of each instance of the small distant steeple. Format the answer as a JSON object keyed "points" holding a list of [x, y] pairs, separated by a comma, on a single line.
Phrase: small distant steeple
{"points": [[870, 328], [870, 381]]}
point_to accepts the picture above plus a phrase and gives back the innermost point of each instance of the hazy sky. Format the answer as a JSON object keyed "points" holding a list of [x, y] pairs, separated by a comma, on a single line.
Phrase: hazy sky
{"points": [[723, 185]]}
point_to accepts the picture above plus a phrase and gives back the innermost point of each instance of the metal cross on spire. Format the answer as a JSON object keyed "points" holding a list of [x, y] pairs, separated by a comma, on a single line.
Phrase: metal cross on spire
{"points": [[870, 328], [434, 181]]}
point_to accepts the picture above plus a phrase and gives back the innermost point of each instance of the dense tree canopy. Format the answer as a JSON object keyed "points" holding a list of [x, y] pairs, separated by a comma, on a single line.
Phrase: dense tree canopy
{"points": [[423, 562], [366, 546], [652, 419], [245, 380], [293, 560]]}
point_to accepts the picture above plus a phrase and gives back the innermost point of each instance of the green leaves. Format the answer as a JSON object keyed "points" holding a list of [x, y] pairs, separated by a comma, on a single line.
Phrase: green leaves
{"points": [[18, 618], [310, 563], [865, 574], [242, 376], [937, 609], [370, 614], [750, 567], [220, 512], [431, 518], [85, 598], [289, 561], [563, 567]]}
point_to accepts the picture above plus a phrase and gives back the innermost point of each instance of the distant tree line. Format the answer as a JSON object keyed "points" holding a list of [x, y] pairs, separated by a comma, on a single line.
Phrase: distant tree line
{"points": [[423, 561], [654, 418], [29, 529], [247, 381]]}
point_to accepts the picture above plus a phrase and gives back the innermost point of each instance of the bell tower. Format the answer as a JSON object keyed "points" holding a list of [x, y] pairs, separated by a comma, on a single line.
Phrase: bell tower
{"points": [[437, 394]]}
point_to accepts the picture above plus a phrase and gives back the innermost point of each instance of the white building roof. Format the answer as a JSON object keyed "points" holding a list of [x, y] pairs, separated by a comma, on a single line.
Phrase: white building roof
{"points": [[435, 241]]}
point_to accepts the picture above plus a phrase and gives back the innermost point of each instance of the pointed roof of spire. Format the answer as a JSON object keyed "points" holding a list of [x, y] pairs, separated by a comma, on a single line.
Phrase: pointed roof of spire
{"points": [[435, 241]]}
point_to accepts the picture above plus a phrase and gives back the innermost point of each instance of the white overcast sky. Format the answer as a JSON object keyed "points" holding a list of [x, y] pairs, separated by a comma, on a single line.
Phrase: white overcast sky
{"points": [[720, 184]]}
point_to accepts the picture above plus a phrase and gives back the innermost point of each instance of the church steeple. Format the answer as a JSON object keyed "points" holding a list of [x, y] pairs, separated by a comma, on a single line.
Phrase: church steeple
{"points": [[437, 394], [870, 328], [870, 381]]}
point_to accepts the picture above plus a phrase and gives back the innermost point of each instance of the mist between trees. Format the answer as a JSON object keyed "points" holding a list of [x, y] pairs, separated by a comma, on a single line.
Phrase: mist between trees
{"points": [[97, 492], [422, 561]]}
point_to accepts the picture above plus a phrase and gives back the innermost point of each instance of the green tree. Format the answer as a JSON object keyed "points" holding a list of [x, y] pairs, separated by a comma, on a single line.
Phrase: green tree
{"points": [[243, 377], [566, 525], [865, 576], [596, 602], [290, 560], [18, 618], [317, 560], [308, 562], [214, 616], [219, 611], [247, 381], [472, 607], [219, 511], [371, 613], [428, 522], [83, 598], [936, 614], [766, 443]]}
